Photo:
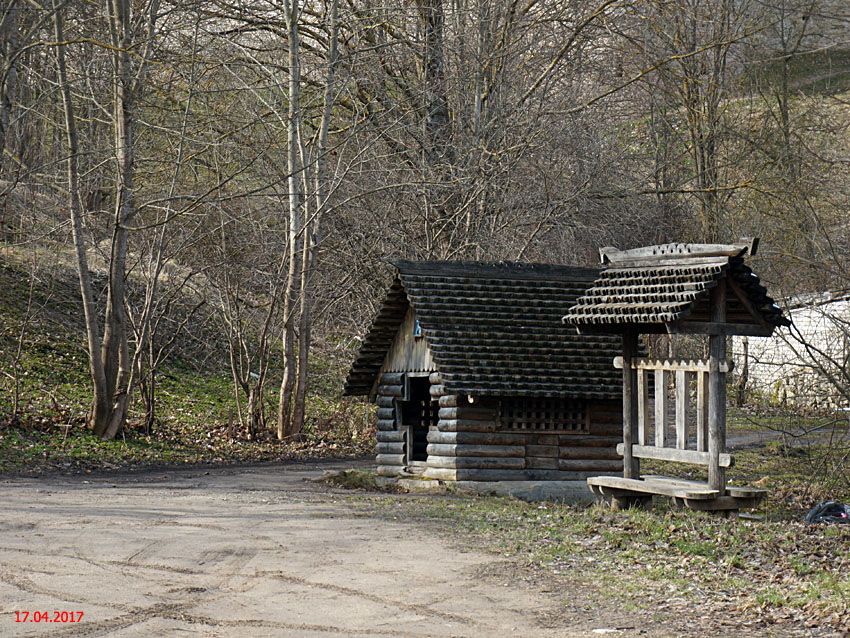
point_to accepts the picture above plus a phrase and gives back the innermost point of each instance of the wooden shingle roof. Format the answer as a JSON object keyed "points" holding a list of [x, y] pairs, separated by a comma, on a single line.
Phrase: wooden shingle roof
{"points": [[659, 288], [494, 329]]}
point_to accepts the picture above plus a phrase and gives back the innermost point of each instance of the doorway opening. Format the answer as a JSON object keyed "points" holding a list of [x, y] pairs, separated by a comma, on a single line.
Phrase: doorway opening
{"points": [[418, 413]]}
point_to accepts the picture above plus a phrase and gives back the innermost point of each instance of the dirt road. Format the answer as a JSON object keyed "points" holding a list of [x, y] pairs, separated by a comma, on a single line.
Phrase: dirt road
{"points": [[242, 552]]}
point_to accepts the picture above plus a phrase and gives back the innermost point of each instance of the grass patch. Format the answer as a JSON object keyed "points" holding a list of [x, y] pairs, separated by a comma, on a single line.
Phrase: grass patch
{"points": [[357, 479], [773, 571], [821, 72]]}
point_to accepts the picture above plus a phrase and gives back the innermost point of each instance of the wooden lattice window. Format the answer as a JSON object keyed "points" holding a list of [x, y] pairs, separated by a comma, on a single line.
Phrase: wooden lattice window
{"points": [[419, 412], [543, 415]]}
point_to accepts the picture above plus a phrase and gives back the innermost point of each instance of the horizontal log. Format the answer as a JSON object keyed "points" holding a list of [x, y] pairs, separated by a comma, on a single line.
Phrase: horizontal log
{"points": [[389, 470], [602, 453], [385, 425], [721, 503], [574, 465], [605, 420], [465, 425], [590, 440], [449, 401], [476, 462], [385, 413], [385, 402], [391, 390], [538, 463], [615, 430], [389, 436], [436, 391], [390, 459], [598, 426], [392, 378], [476, 450], [435, 378], [394, 447], [677, 456], [544, 439], [477, 438], [470, 413], [468, 474], [545, 451]]}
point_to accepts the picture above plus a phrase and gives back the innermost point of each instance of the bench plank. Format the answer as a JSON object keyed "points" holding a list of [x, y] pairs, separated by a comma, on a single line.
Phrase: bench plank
{"points": [[735, 491], [649, 486], [677, 456]]}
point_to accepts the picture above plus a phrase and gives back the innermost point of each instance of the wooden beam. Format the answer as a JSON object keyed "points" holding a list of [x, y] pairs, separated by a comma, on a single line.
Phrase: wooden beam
{"points": [[676, 252], [665, 364], [717, 391], [631, 465], [661, 407], [650, 486], [742, 491], [643, 405], [702, 411], [676, 456], [681, 409], [745, 301], [718, 327]]}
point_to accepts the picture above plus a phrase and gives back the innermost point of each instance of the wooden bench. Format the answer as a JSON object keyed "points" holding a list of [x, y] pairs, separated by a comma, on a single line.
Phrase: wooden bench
{"points": [[670, 441], [691, 494]]}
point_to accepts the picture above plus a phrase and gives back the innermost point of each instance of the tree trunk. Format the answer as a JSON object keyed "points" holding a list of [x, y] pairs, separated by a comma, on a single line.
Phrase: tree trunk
{"points": [[284, 416], [311, 238], [437, 120], [115, 354], [9, 42], [100, 404]]}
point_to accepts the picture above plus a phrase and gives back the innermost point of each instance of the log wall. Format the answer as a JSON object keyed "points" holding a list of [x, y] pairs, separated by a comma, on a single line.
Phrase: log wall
{"points": [[390, 454], [467, 444]]}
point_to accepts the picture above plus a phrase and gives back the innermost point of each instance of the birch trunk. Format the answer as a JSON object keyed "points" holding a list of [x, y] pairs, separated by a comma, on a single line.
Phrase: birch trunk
{"points": [[284, 416], [9, 42]]}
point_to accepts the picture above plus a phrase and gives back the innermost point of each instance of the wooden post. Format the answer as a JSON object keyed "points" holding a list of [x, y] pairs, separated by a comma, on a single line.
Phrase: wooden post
{"points": [[631, 464], [660, 408], [717, 392], [702, 411], [681, 409], [643, 405]]}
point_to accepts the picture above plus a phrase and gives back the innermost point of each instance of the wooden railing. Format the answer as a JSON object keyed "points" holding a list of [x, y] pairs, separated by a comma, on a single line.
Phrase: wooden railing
{"points": [[666, 447]]}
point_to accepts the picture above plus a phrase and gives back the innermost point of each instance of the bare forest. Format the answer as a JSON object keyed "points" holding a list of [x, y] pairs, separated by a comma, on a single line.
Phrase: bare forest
{"points": [[217, 184]]}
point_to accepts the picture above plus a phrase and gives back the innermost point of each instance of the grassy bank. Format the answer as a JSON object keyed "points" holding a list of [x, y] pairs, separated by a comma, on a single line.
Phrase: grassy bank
{"points": [[45, 393], [773, 573]]}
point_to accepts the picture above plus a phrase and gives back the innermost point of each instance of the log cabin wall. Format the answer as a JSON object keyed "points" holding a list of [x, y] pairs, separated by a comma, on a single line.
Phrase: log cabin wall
{"points": [[390, 451], [471, 443]]}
